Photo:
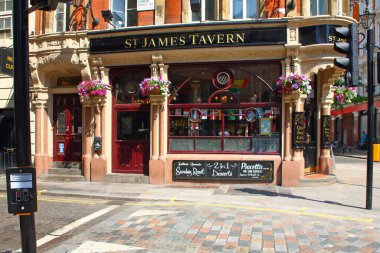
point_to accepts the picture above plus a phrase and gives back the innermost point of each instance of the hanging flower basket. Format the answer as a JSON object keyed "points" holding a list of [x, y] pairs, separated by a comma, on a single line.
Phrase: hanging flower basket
{"points": [[291, 83], [343, 96], [92, 88], [155, 86]]}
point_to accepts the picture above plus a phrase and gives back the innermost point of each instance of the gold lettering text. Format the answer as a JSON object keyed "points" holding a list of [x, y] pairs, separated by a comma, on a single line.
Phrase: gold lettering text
{"points": [[211, 38], [152, 43], [193, 37], [162, 42], [220, 38], [240, 37], [230, 38], [173, 41], [128, 43], [202, 40], [182, 40]]}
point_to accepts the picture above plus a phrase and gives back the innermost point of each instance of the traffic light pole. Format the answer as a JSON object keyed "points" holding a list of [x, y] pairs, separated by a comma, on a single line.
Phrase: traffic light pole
{"points": [[370, 118], [22, 118]]}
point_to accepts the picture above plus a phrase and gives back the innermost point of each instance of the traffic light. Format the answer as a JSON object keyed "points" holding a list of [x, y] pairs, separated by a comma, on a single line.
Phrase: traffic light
{"points": [[346, 43], [46, 5]]}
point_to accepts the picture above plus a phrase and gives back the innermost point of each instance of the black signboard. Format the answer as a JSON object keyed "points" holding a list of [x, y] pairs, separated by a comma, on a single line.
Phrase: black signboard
{"points": [[203, 39], [317, 34], [299, 130], [260, 171], [326, 131], [6, 61]]}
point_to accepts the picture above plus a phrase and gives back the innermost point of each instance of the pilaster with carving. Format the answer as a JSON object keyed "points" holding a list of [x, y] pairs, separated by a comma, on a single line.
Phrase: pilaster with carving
{"points": [[39, 100]]}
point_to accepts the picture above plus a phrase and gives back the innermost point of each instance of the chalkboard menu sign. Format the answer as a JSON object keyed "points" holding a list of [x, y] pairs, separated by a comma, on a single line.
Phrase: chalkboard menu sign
{"points": [[260, 171], [326, 131], [299, 130]]}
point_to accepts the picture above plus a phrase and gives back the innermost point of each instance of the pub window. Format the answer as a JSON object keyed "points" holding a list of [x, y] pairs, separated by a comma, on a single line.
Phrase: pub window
{"points": [[59, 18], [319, 7], [124, 13], [227, 108], [244, 9], [208, 11]]}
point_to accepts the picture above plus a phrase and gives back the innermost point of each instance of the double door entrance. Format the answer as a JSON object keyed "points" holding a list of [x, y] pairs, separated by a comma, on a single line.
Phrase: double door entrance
{"points": [[130, 149]]}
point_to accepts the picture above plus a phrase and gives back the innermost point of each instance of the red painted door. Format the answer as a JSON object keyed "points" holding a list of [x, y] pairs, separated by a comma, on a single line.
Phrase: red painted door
{"points": [[67, 128], [130, 152]]}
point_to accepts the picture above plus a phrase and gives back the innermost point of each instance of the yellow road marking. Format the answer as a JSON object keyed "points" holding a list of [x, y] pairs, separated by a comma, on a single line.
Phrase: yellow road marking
{"points": [[273, 210], [40, 192], [66, 200]]}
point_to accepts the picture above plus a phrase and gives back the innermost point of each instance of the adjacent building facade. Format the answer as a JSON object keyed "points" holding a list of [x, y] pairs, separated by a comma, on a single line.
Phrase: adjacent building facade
{"points": [[223, 122]]}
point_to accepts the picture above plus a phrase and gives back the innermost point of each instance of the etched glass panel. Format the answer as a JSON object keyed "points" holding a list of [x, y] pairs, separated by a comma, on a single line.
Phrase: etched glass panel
{"points": [[61, 121]]}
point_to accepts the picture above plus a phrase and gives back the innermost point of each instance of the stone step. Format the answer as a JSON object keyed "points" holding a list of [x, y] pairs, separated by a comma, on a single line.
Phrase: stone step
{"points": [[67, 165], [317, 180], [127, 178], [62, 171], [62, 178]]}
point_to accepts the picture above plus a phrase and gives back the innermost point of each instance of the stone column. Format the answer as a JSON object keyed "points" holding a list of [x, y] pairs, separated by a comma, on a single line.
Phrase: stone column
{"points": [[38, 156], [299, 100], [87, 137], [356, 129], [293, 165], [333, 128], [325, 161], [47, 159], [287, 132], [97, 164], [157, 163]]}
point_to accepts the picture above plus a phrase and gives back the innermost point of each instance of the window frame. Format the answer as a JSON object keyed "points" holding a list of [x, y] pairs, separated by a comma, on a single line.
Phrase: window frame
{"points": [[317, 2], [5, 29], [245, 8], [126, 13], [64, 20], [203, 11]]}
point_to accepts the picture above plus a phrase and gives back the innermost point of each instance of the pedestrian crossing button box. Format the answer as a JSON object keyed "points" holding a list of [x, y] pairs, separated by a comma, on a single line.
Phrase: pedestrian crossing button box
{"points": [[21, 190]]}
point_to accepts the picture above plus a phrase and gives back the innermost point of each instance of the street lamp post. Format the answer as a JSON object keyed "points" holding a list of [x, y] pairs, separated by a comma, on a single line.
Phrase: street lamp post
{"points": [[366, 20]]}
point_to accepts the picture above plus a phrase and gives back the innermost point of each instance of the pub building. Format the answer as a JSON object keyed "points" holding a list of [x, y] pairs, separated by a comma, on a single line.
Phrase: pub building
{"points": [[222, 122]]}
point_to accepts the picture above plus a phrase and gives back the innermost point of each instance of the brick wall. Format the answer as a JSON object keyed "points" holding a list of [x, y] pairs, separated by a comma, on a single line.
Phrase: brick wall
{"points": [[173, 12], [97, 7], [145, 18]]}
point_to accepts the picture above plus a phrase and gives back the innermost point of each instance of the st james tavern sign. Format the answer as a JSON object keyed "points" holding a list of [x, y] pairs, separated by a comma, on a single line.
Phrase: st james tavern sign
{"points": [[224, 38]]}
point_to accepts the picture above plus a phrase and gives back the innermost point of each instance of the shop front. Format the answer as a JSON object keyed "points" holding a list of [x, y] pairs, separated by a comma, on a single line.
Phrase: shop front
{"points": [[222, 120]]}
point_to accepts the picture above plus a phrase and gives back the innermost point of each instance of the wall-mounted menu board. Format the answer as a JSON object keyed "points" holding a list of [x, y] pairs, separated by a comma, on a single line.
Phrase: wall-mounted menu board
{"points": [[298, 129], [326, 131], [260, 171]]}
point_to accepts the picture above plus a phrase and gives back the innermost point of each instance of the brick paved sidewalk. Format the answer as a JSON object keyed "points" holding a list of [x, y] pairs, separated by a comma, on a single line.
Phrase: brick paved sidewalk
{"points": [[188, 227]]}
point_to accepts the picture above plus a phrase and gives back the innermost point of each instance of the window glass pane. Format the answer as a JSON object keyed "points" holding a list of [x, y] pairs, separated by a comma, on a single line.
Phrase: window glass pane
{"points": [[206, 116], [77, 120], [2, 21], [61, 121], [237, 9], [2, 6], [322, 7], [132, 17], [118, 12], [251, 8], [133, 126], [9, 5], [210, 10], [195, 16], [7, 23], [126, 87], [132, 4]]}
